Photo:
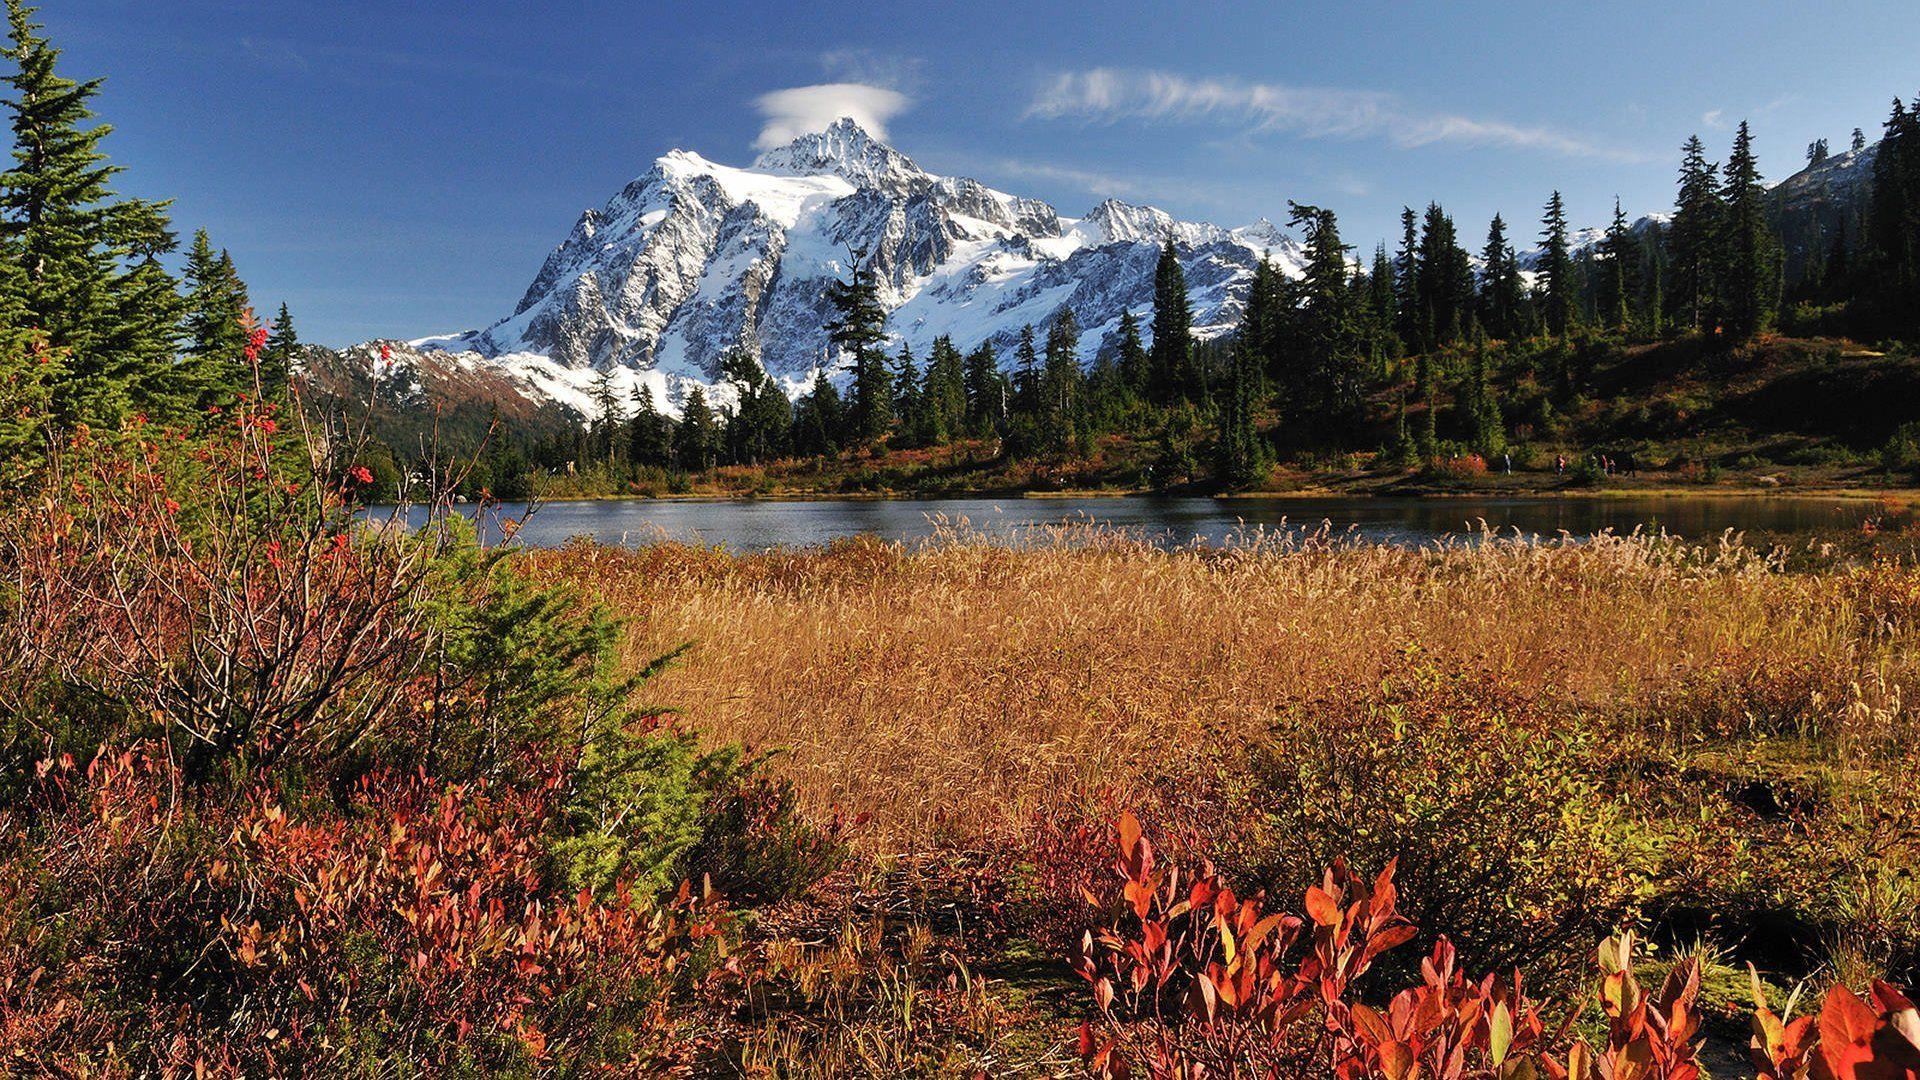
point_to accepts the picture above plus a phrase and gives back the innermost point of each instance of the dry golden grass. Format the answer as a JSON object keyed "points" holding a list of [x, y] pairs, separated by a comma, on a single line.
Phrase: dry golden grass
{"points": [[951, 689]]}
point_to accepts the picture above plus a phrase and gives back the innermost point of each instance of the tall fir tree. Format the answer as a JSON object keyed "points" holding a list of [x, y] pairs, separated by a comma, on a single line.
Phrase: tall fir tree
{"points": [[819, 419], [1332, 343], [649, 434], [986, 393], [1026, 374], [1413, 331], [212, 366], [758, 429], [1136, 368], [28, 372], [85, 262], [609, 419], [1171, 355], [696, 438], [1488, 430], [906, 398], [1443, 285], [1749, 252], [1892, 240], [1237, 453], [1260, 328], [1620, 276], [1060, 383], [1692, 238], [858, 332], [1501, 290], [944, 397], [1556, 283], [1382, 300], [280, 356]]}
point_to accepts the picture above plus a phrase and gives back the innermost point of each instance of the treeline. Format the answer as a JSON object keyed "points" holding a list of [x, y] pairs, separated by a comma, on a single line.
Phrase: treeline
{"points": [[94, 329], [1347, 354]]}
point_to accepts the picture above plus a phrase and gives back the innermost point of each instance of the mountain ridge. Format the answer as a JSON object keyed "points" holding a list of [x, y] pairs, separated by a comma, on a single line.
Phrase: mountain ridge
{"points": [[694, 258]]}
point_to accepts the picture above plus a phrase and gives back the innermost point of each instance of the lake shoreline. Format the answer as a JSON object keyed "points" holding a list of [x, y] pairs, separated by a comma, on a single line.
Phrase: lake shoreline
{"points": [[1898, 496]]}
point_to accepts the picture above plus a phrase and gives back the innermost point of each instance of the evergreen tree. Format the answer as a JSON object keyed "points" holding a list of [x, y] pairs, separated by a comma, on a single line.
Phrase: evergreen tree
{"points": [[1691, 239], [1859, 140], [1817, 152], [857, 333], [1261, 328], [1750, 257], [1238, 449], [1428, 442], [986, 391], [1136, 369], [608, 418], [696, 439], [1501, 289], [28, 370], [819, 419], [1488, 429], [906, 398], [1892, 241], [1653, 280], [212, 366], [1557, 286], [649, 434], [1026, 374], [758, 429], [1331, 340], [1171, 356], [1382, 301], [84, 263], [1444, 282], [1620, 277], [944, 398], [281, 353], [1413, 330], [1060, 384]]}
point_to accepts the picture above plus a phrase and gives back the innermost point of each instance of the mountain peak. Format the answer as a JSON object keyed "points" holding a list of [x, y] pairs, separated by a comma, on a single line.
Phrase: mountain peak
{"points": [[849, 151], [1127, 223]]}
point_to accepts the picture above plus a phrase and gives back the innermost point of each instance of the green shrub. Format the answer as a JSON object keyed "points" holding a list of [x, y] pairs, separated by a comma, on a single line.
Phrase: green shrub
{"points": [[1507, 837], [1901, 454]]}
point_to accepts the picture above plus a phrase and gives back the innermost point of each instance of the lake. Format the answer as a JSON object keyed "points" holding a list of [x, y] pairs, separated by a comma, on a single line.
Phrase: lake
{"points": [[759, 524]]}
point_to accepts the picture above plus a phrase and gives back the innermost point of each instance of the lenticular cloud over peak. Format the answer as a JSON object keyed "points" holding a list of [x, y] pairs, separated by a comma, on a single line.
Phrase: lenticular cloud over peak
{"points": [[802, 110]]}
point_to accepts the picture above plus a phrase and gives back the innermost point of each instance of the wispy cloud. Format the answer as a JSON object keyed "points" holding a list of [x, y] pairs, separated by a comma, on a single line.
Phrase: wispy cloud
{"points": [[1718, 120], [1107, 95], [1093, 182], [791, 113], [861, 65]]}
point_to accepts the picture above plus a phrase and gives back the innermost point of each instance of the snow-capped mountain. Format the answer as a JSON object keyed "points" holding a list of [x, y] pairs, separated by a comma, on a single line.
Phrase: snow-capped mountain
{"points": [[695, 258]]}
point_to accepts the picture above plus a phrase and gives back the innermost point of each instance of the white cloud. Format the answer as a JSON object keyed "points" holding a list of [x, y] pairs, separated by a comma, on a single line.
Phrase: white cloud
{"points": [[799, 110], [1711, 118], [1106, 95]]}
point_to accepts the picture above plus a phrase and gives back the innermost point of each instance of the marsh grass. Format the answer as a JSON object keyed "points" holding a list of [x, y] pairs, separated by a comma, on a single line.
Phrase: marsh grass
{"points": [[954, 688]]}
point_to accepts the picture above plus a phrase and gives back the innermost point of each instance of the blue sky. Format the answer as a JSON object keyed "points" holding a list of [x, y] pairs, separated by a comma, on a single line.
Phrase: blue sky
{"points": [[398, 169]]}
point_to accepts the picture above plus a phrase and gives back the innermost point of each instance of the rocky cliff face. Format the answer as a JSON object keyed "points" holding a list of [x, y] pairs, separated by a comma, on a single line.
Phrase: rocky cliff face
{"points": [[695, 258]]}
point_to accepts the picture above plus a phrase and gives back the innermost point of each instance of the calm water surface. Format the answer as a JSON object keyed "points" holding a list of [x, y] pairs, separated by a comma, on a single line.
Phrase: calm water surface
{"points": [[756, 525]]}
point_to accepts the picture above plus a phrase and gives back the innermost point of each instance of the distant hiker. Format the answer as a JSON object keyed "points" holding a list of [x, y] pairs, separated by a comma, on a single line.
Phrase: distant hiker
{"points": [[1508, 460], [1560, 464]]}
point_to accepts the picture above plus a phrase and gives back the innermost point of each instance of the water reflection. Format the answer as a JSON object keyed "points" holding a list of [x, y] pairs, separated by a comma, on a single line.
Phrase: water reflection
{"points": [[759, 524]]}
